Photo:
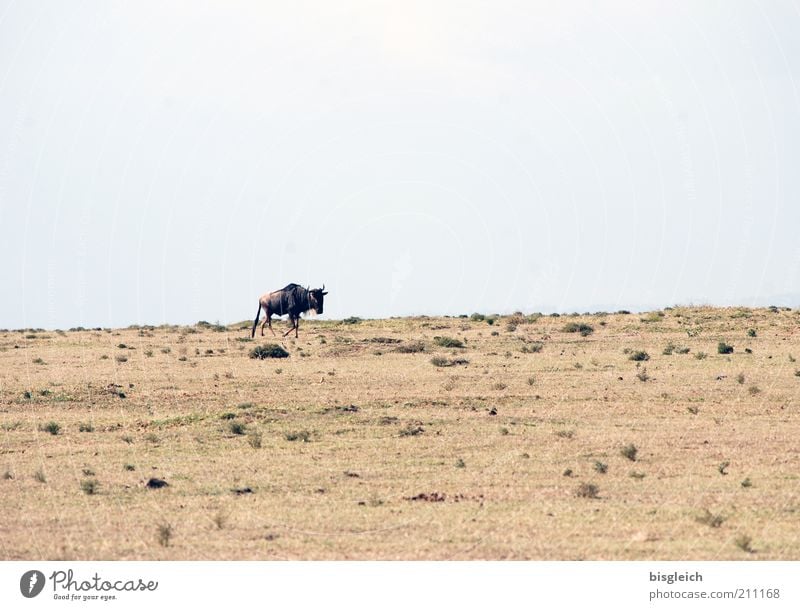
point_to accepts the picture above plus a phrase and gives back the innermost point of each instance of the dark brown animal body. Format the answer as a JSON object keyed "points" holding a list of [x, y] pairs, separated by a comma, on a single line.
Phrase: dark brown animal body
{"points": [[293, 300]]}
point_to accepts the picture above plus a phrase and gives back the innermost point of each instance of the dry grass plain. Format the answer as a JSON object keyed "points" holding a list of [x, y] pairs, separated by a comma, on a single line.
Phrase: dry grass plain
{"points": [[351, 449]]}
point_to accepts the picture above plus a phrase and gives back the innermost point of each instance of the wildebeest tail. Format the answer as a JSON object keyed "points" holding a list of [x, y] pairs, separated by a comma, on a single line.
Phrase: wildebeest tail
{"points": [[258, 314]]}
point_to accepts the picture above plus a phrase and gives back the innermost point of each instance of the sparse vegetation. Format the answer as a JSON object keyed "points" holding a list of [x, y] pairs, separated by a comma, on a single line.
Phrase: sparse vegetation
{"points": [[270, 350], [254, 439], [411, 430], [412, 347], [303, 436], [51, 427], [237, 428], [445, 362], [519, 423], [745, 543], [724, 348], [706, 517], [575, 327], [448, 342], [587, 490], [629, 451], [90, 486], [639, 356], [164, 534]]}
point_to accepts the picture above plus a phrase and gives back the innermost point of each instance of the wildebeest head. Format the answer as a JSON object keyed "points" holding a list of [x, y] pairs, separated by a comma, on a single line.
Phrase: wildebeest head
{"points": [[316, 298]]}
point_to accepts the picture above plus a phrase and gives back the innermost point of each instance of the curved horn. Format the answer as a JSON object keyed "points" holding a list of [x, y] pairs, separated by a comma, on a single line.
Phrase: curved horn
{"points": [[323, 287]]}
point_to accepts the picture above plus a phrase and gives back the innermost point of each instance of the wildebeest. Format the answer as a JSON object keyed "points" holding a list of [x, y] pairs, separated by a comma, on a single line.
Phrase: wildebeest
{"points": [[292, 299]]}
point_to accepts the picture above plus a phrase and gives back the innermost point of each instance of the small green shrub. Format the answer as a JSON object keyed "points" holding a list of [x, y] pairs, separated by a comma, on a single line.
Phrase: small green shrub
{"points": [[629, 451], [445, 362], [745, 543], [90, 486], [270, 350], [448, 342], [254, 439], [51, 427], [412, 347], [639, 356], [710, 519], [724, 348], [302, 436], [411, 430], [237, 428], [165, 533], [574, 327]]}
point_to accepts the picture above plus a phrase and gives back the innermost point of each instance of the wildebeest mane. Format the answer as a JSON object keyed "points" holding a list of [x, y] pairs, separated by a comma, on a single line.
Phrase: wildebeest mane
{"points": [[296, 298]]}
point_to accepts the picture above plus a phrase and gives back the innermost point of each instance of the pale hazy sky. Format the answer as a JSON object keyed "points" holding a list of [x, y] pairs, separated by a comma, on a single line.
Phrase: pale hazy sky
{"points": [[169, 162]]}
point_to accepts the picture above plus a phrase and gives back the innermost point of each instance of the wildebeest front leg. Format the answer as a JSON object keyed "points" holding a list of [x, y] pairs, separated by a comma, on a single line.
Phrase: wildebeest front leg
{"points": [[294, 322]]}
